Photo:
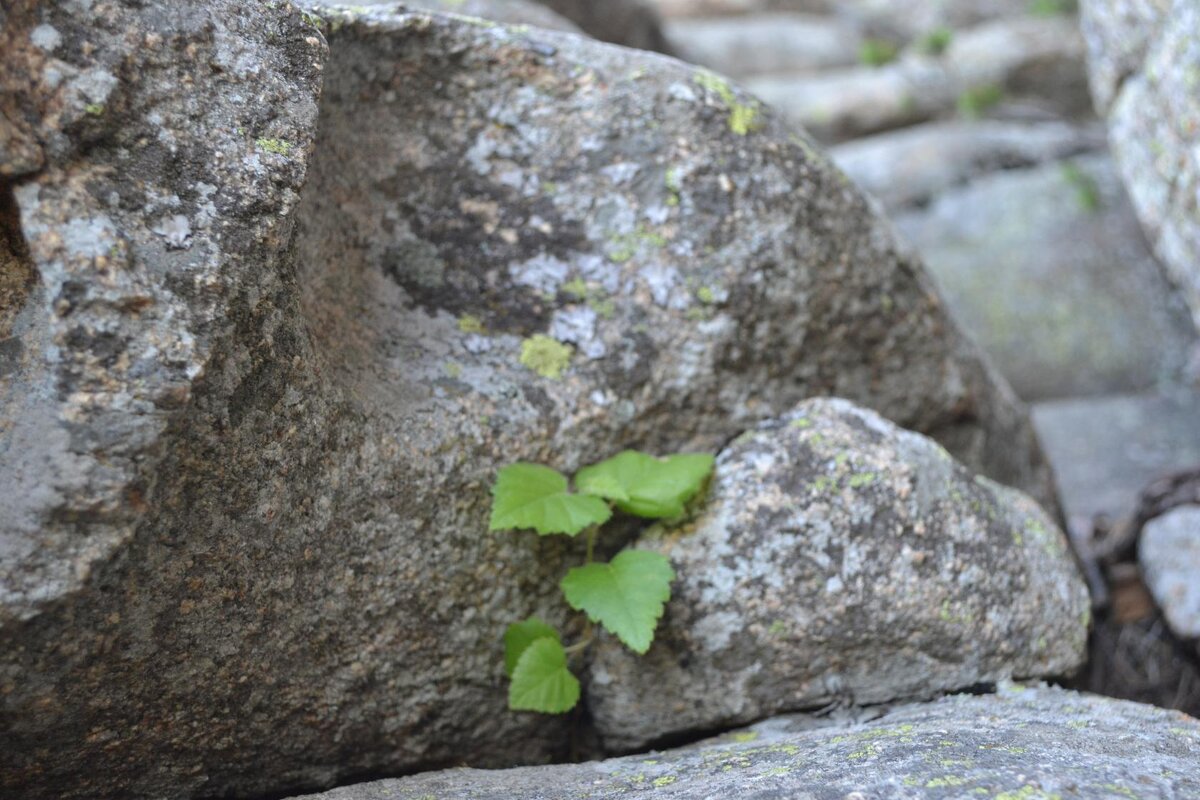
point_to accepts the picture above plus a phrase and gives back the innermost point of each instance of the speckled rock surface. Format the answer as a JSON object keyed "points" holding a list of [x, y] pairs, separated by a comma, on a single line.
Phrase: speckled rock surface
{"points": [[1169, 552], [1022, 744], [840, 558], [256, 387], [1049, 269], [1145, 75]]}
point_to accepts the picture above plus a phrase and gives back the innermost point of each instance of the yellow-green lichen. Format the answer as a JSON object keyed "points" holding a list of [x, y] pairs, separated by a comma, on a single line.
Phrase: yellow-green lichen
{"points": [[469, 323], [743, 118], [705, 295], [823, 484], [453, 369], [623, 247], [861, 479], [279, 147], [803, 422], [545, 356], [665, 780], [312, 20], [945, 615], [95, 109], [576, 287], [604, 308], [1028, 792], [674, 183], [944, 782], [745, 736]]}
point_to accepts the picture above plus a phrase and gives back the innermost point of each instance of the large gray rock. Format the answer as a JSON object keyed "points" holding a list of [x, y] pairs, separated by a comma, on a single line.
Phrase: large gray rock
{"points": [[1023, 744], [1049, 270], [839, 557], [257, 387], [1169, 552], [913, 165], [1037, 61], [1145, 72]]}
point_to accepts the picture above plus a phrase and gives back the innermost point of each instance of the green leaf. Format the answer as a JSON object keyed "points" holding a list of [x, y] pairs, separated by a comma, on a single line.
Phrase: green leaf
{"points": [[533, 496], [602, 485], [626, 595], [520, 635], [541, 680], [646, 486]]}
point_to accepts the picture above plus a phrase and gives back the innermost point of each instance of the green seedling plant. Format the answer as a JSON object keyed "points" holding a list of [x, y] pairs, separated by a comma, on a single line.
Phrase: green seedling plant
{"points": [[626, 595]]}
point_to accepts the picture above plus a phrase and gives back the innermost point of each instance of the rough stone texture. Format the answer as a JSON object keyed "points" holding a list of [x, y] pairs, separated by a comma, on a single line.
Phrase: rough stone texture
{"points": [[512, 12], [1106, 450], [1039, 61], [765, 43], [250, 422], [1145, 74], [633, 23], [1022, 744], [912, 166], [1049, 270], [839, 557], [146, 194], [1169, 552]]}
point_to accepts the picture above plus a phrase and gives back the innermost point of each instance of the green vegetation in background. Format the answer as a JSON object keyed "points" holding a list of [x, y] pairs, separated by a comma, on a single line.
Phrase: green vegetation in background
{"points": [[1087, 194], [877, 52], [935, 42], [1052, 8], [976, 101]]}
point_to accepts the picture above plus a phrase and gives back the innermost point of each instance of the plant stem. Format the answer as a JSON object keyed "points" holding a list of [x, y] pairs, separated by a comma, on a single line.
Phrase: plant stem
{"points": [[581, 645], [591, 543]]}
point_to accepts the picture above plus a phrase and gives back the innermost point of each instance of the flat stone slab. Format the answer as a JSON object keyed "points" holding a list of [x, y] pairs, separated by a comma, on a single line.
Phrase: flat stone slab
{"points": [[1105, 450], [1020, 744], [1049, 269], [1169, 552]]}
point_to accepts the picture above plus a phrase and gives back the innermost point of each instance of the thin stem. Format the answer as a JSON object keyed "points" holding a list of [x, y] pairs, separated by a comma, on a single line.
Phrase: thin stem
{"points": [[591, 543], [579, 646]]}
